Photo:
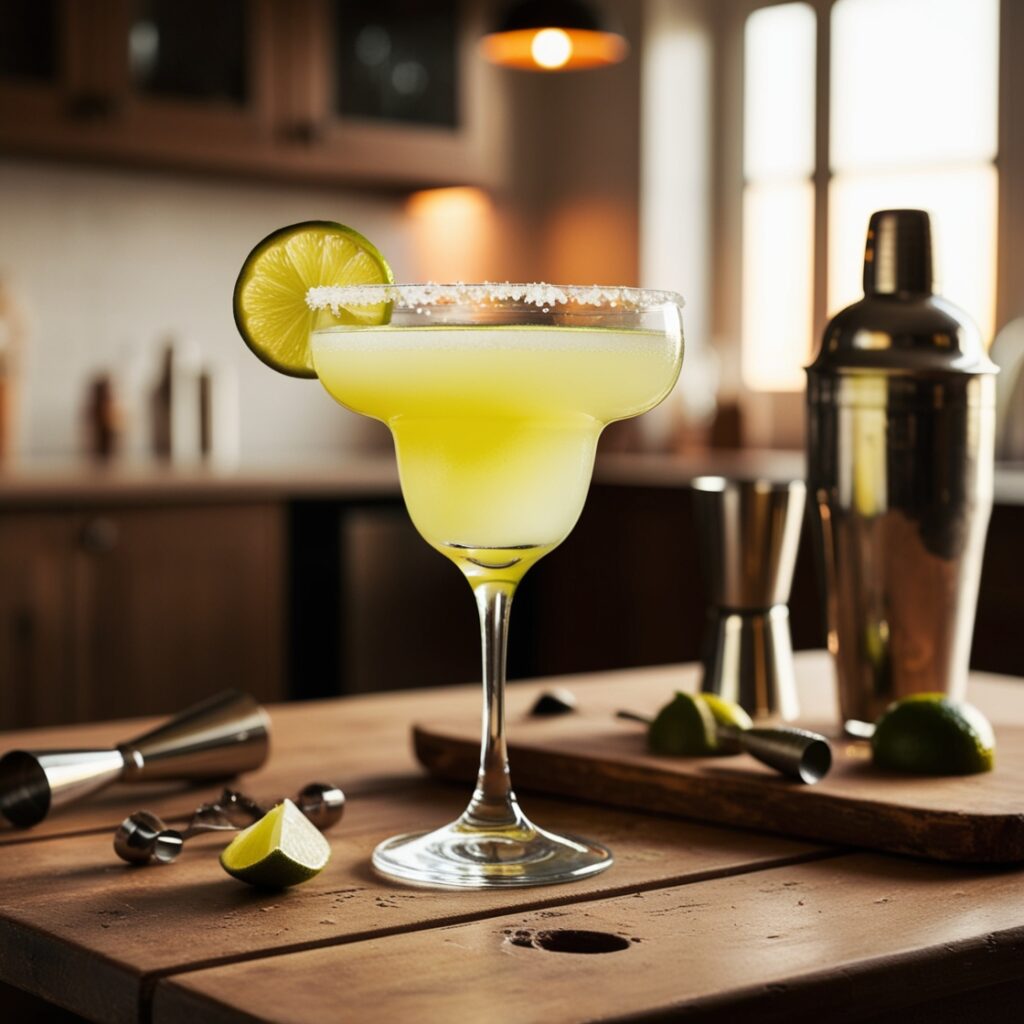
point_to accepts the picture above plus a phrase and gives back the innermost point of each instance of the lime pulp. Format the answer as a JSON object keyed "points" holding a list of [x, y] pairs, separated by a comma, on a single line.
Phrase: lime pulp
{"points": [[282, 849]]}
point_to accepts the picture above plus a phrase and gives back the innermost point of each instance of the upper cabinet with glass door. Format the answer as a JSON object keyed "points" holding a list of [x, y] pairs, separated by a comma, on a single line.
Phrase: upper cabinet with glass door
{"points": [[395, 90], [328, 90], [162, 82], [34, 66], [29, 46]]}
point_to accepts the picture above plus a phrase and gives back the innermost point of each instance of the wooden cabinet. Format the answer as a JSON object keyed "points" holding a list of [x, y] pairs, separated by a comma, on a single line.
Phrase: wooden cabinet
{"points": [[37, 683], [309, 90], [111, 612]]}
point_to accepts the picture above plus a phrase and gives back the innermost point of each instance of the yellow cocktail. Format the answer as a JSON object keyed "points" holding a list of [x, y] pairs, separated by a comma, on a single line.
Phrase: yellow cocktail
{"points": [[496, 396], [495, 427]]}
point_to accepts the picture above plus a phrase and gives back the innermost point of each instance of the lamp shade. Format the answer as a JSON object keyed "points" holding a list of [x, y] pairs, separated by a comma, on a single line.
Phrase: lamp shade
{"points": [[565, 35]]}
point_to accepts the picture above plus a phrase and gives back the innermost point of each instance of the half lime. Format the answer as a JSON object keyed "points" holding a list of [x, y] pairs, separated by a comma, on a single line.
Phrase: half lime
{"points": [[933, 734]]}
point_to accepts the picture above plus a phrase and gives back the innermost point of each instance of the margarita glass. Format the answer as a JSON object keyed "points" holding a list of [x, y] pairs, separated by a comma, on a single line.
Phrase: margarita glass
{"points": [[495, 396]]}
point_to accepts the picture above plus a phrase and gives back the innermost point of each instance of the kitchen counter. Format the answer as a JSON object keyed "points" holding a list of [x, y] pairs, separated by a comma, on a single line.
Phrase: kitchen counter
{"points": [[81, 483], [358, 476]]}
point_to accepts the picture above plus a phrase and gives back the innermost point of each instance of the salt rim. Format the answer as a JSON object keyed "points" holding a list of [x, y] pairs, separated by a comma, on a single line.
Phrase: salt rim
{"points": [[336, 297]]}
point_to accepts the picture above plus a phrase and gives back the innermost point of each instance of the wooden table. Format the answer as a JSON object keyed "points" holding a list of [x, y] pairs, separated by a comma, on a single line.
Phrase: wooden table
{"points": [[709, 923]]}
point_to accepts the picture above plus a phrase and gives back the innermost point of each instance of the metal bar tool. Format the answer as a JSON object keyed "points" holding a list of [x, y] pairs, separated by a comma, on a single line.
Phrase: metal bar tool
{"points": [[218, 738], [796, 753], [144, 837], [749, 531], [901, 432]]}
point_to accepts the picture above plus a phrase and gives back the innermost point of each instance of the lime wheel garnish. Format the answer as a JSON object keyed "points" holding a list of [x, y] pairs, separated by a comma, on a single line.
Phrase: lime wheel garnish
{"points": [[270, 294]]}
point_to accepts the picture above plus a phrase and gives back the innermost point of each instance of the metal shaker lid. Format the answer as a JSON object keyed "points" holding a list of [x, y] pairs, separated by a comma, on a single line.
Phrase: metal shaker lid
{"points": [[901, 326]]}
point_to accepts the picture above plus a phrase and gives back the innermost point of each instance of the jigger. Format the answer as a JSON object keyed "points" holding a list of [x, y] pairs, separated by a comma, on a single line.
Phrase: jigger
{"points": [[748, 532], [796, 753], [218, 738]]}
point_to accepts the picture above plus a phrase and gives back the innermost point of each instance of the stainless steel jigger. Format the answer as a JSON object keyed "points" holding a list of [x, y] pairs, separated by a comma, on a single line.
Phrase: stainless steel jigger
{"points": [[796, 753], [748, 532], [143, 837], [215, 739]]}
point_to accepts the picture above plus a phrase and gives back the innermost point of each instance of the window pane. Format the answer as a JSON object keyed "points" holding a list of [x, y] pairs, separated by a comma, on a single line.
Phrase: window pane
{"points": [[913, 81], [28, 39], [189, 49], [778, 91], [962, 203], [397, 60], [778, 249]]}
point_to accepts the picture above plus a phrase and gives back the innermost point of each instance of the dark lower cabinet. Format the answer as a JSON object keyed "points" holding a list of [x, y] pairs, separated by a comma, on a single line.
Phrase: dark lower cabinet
{"points": [[626, 588], [113, 612], [999, 624]]}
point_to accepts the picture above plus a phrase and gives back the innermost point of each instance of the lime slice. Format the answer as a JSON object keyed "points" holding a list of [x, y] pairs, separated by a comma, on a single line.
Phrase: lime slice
{"points": [[726, 712], [270, 294], [931, 734], [283, 848], [684, 727]]}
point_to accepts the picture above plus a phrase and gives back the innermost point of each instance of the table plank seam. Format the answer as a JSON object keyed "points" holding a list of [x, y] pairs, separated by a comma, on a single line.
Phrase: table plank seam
{"points": [[149, 980]]}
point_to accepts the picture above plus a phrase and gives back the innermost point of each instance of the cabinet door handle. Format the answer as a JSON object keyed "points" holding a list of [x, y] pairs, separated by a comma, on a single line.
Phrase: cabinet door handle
{"points": [[303, 133], [91, 107], [99, 535]]}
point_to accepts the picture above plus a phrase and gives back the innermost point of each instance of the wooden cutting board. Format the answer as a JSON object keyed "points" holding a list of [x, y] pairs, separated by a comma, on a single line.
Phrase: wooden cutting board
{"points": [[591, 755]]}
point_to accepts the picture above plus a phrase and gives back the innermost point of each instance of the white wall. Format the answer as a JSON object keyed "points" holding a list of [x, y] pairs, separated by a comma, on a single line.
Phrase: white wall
{"points": [[105, 262]]}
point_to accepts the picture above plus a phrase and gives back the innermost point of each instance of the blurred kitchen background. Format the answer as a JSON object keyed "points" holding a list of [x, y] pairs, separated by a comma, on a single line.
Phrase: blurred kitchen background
{"points": [[176, 518]]}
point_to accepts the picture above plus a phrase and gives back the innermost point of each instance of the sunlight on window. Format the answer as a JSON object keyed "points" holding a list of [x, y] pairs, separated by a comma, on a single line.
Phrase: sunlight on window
{"points": [[914, 107], [913, 82], [778, 201], [962, 202], [778, 92], [778, 282]]}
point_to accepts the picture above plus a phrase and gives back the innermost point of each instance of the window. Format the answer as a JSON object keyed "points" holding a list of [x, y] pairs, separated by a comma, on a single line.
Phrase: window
{"points": [[778, 194], [912, 104]]}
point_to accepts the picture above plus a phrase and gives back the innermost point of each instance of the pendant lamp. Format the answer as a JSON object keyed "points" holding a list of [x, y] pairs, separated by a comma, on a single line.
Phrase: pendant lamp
{"points": [[557, 35]]}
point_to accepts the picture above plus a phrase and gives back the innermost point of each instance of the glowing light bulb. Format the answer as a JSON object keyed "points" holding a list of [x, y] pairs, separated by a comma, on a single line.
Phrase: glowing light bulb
{"points": [[551, 48]]}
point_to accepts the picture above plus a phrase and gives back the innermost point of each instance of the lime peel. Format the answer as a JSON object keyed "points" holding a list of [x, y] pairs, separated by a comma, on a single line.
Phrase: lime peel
{"points": [[933, 734], [688, 726], [684, 727], [283, 848]]}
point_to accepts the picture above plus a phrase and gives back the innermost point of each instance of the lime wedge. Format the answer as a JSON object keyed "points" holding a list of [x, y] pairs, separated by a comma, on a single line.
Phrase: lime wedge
{"points": [[684, 727], [726, 712], [931, 734], [270, 294], [283, 848]]}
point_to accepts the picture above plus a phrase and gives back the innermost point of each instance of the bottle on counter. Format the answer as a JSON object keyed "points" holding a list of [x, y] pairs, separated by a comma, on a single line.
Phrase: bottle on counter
{"points": [[219, 422], [12, 337], [175, 404], [901, 427], [104, 420]]}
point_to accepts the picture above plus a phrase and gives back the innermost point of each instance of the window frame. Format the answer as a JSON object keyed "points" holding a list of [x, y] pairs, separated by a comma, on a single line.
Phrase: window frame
{"points": [[775, 418]]}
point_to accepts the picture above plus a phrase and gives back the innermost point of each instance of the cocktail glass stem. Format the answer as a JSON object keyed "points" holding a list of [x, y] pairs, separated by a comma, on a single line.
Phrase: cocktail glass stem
{"points": [[493, 804]]}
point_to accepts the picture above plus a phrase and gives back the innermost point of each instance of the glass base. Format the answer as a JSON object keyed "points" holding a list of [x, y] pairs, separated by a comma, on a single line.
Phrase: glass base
{"points": [[471, 857]]}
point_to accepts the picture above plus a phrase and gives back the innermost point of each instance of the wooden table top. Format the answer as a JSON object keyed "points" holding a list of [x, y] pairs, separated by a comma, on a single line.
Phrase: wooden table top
{"points": [[713, 923]]}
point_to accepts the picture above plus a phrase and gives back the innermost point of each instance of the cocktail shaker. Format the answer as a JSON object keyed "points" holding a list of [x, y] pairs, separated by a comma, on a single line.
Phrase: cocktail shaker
{"points": [[901, 429], [749, 532]]}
